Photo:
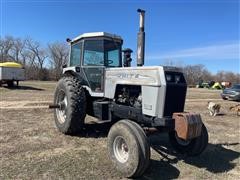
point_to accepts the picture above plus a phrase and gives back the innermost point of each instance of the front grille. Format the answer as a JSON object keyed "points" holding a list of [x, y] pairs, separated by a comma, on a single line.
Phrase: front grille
{"points": [[175, 93]]}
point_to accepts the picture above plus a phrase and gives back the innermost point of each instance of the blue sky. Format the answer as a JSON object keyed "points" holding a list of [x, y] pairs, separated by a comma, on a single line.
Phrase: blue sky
{"points": [[185, 32]]}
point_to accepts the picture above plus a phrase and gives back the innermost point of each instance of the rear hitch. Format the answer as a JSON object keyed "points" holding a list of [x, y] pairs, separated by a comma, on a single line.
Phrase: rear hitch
{"points": [[54, 106], [150, 130]]}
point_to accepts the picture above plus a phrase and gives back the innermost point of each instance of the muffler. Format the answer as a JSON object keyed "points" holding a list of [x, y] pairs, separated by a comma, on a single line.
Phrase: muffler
{"points": [[141, 39]]}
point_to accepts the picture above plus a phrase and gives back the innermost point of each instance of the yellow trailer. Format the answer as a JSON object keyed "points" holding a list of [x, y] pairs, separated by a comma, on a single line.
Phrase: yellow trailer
{"points": [[11, 72]]}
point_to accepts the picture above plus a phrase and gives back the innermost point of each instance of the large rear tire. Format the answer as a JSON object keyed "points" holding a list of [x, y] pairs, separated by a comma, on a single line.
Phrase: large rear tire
{"points": [[128, 148], [192, 147], [70, 95]]}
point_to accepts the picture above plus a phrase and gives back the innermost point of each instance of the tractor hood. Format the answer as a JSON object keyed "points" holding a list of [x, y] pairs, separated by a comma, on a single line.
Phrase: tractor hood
{"points": [[149, 76], [144, 76]]}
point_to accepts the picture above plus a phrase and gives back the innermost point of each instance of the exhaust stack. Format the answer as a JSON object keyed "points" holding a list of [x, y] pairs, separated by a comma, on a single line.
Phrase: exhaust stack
{"points": [[141, 39]]}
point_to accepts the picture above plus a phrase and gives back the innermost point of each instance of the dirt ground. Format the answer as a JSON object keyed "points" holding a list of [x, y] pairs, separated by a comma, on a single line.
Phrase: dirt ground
{"points": [[32, 148]]}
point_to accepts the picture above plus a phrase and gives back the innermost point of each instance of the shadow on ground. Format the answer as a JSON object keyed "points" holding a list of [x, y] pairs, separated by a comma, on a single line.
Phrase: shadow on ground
{"points": [[215, 158], [95, 130], [24, 88], [221, 114], [160, 170]]}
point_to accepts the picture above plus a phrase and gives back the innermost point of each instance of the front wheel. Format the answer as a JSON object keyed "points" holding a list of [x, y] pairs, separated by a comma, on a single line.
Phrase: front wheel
{"points": [[128, 148], [191, 147]]}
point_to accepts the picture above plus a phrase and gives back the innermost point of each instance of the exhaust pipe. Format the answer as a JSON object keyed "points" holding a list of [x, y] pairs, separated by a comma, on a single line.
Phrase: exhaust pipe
{"points": [[141, 39]]}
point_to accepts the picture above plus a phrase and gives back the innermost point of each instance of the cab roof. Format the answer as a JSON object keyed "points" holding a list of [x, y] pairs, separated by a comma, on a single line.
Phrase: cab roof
{"points": [[96, 34]]}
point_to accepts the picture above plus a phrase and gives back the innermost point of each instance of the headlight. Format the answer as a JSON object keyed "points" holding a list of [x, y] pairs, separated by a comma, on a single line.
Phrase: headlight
{"points": [[169, 77], [177, 78]]}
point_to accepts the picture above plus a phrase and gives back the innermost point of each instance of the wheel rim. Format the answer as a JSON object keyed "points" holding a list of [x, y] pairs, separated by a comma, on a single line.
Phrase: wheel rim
{"points": [[182, 141], [120, 149], [62, 111]]}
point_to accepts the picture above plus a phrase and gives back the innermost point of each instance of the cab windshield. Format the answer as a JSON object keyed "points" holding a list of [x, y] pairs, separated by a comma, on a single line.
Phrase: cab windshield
{"points": [[102, 52]]}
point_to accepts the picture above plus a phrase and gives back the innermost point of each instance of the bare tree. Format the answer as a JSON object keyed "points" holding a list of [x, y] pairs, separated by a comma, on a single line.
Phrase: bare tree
{"points": [[231, 77], [196, 73], [227, 76], [18, 50], [6, 45], [13, 49], [207, 76], [30, 66], [176, 63], [39, 54], [168, 62], [59, 56]]}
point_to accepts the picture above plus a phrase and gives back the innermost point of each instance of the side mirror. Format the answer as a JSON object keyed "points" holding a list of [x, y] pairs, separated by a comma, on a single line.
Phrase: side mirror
{"points": [[68, 40], [64, 65], [127, 57]]}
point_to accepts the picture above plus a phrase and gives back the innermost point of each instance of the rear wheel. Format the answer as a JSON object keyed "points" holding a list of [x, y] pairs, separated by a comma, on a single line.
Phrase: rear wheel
{"points": [[70, 96], [128, 148], [191, 147]]}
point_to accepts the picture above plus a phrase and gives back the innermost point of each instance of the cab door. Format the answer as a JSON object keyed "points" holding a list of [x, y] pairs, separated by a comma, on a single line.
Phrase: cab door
{"points": [[93, 64]]}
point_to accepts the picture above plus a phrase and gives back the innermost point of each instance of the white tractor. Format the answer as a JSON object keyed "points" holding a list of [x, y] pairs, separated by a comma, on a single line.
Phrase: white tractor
{"points": [[98, 82]]}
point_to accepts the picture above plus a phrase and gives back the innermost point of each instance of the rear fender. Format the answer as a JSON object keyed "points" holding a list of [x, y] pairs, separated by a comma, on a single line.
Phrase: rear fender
{"points": [[76, 71]]}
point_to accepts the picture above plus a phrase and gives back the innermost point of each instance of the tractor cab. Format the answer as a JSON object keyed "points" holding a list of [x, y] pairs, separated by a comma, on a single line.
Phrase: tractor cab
{"points": [[91, 53]]}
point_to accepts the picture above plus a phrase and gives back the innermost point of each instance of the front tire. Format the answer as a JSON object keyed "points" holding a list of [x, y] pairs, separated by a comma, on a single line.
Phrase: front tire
{"points": [[128, 148], [192, 147], [70, 95]]}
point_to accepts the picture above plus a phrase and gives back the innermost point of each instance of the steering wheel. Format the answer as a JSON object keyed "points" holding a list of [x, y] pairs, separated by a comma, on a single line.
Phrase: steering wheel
{"points": [[108, 61]]}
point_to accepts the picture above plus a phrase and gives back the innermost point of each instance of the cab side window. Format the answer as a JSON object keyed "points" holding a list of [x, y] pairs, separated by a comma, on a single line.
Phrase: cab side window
{"points": [[113, 55], [93, 53], [76, 53]]}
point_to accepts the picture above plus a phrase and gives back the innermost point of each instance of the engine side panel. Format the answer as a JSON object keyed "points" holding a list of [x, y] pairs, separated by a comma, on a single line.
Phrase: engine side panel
{"points": [[143, 76], [153, 99]]}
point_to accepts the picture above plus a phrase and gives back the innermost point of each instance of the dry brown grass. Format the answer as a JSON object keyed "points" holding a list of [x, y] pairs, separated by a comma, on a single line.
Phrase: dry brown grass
{"points": [[32, 148]]}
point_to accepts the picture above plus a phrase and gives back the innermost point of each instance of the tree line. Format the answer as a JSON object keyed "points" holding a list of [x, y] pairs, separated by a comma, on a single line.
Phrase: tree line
{"points": [[40, 62], [198, 73], [44, 62]]}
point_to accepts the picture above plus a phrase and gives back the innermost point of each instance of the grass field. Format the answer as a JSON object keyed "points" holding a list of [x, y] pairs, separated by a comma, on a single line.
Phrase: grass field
{"points": [[32, 147]]}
